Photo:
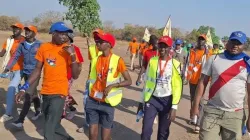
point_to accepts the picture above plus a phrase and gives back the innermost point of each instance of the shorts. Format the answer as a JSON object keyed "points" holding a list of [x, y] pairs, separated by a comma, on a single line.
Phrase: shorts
{"points": [[99, 113]]}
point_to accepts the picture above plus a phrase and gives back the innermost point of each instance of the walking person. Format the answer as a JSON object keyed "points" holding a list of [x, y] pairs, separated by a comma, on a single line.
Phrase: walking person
{"points": [[70, 101], [197, 59], [105, 87], [133, 48], [162, 91], [9, 48], [54, 58], [28, 50], [142, 46], [229, 73]]}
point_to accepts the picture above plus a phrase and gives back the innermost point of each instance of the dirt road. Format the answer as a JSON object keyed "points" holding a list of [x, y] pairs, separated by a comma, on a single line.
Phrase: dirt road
{"points": [[125, 126]]}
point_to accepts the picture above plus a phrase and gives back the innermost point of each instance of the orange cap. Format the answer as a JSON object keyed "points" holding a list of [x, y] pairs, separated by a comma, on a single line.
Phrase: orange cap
{"points": [[98, 31], [203, 36], [134, 39], [32, 28], [18, 25]]}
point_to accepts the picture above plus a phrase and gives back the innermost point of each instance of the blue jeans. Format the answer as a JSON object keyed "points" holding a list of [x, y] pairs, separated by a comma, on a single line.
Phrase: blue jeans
{"points": [[15, 80]]}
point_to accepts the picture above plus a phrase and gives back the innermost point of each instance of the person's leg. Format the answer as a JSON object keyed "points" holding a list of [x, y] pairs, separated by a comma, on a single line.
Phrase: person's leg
{"points": [[106, 120], [35, 99], [164, 123], [192, 92], [140, 60], [53, 112], [211, 124], [10, 98], [150, 112], [92, 118], [232, 125], [133, 61]]}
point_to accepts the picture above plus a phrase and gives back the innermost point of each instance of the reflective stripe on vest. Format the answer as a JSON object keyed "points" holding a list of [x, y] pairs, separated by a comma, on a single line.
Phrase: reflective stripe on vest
{"points": [[92, 51], [115, 95], [150, 85]]}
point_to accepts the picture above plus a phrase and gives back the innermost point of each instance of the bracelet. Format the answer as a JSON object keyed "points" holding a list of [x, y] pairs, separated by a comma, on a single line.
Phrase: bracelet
{"points": [[72, 54]]}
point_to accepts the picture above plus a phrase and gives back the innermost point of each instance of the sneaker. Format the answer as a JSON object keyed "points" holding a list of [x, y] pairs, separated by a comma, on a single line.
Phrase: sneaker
{"points": [[155, 121], [5, 118], [17, 124], [70, 138], [36, 116], [80, 130], [197, 129], [71, 115]]}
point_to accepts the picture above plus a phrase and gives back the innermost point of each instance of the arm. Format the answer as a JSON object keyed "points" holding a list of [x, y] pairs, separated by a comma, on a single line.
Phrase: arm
{"points": [[202, 84], [36, 73], [2, 53], [75, 67], [14, 58]]}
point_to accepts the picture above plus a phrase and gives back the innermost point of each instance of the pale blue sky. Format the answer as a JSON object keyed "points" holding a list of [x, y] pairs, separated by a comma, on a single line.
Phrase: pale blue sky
{"points": [[225, 15]]}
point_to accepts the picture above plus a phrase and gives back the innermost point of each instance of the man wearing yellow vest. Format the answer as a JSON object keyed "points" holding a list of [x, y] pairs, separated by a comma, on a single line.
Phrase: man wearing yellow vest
{"points": [[105, 85], [162, 91]]}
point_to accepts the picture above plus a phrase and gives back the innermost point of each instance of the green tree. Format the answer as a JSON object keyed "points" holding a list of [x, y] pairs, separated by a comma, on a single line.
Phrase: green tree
{"points": [[192, 36], [83, 14], [225, 38], [203, 30]]}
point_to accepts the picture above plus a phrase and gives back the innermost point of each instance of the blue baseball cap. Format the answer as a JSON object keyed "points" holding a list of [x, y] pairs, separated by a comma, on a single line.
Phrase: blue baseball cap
{"points": [[239, 35], [178, 41], [61, 27]]}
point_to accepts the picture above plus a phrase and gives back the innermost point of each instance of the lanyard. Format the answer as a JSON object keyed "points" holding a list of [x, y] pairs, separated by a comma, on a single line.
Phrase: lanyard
{"points": [[164, 67], [104, 71]]}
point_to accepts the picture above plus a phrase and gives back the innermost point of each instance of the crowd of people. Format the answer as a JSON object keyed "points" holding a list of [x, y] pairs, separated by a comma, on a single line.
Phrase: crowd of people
{"points": [[165, 66]]}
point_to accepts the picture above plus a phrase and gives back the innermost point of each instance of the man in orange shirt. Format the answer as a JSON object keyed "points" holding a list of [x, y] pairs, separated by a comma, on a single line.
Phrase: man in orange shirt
{"points": [[196, 61], [133, 48], [105, 87], [54, 57], [15, 74], [143, 45]]}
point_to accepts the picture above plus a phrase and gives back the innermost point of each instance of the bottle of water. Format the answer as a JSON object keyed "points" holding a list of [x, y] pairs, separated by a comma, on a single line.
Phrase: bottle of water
{"points": [[244, 130], [139, 115], [4, 75]]}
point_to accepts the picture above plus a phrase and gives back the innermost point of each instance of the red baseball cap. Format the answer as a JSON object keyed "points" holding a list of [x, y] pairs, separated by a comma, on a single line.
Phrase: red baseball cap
{"points": [[203, 36], [105, 37], [166, 40]]}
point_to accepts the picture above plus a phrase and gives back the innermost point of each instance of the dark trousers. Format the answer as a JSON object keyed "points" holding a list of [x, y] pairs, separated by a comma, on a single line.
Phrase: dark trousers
{"points": [[53, 109], [154, 106], [30, 96]]}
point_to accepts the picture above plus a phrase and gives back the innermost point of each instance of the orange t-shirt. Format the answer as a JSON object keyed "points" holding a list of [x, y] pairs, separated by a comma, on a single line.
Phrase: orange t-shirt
{"points": [[97, 51], [55, 63], [133, 47], [146, 49], [100, 84], [142, 47], [196, 60], [19, 64]]}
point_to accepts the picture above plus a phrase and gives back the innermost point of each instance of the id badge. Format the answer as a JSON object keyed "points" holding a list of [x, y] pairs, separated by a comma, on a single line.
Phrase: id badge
{"points": [[195, 69], [98, 95]]}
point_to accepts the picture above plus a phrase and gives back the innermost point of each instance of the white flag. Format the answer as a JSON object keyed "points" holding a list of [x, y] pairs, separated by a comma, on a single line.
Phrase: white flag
{"points": [[209, 39], [167, 29], [146, 35]]}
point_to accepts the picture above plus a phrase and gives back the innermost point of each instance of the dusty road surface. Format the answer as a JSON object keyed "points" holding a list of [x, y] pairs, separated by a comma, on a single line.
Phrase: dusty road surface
{"points": [[125, 126]]}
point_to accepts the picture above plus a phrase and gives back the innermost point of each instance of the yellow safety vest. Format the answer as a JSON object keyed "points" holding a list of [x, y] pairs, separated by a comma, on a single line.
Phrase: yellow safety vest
{"points": [[92, 51], [176, 81], [115, 95]]}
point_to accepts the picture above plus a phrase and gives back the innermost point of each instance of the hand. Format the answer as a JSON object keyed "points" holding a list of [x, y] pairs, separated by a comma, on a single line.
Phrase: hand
{"points": [[172, 114], [69, 49], [107, 90], [140, 107], [195, 111], [5, 71], [19, 96]]}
